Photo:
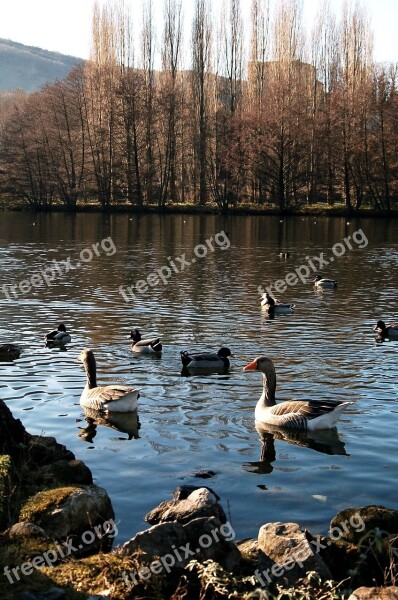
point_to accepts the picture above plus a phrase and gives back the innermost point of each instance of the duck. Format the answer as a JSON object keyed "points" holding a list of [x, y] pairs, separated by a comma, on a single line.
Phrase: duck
{"points": [[9, 352], [269, 304], [295, 414], [151, 346], [58, 337], [206, 360], [383, 330], [323, 282], [107, 398]]}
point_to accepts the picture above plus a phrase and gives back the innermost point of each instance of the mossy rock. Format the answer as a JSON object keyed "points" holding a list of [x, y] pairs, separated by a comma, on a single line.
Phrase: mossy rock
{"points": [[100, 572], [69, 510], [353, 524], [45, 501]]}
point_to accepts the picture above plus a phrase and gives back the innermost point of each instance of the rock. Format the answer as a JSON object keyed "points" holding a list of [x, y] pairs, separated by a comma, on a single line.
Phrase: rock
{"points": [[9, 352], [13, 436], [342, 557], [66, 471], [375, 593], [46, 450], [248, 548], [168, 545], [201, 502], [24, 529], [205, 474], [287, 552], [352, 523], [183, 491], [212, 540], [69, 511]]}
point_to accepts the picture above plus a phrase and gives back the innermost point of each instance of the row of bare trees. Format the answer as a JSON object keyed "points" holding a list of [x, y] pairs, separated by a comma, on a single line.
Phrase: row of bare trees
{"points": [[298, 118]]}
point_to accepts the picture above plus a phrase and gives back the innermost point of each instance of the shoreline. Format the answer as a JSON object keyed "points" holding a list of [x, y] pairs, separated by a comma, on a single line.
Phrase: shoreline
{"points": [[211, 209]]}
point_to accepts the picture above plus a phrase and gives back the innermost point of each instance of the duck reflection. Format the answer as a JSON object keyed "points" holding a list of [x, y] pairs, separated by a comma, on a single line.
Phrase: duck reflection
{"points": [[326, 441], [190, 372], [124, 422]]}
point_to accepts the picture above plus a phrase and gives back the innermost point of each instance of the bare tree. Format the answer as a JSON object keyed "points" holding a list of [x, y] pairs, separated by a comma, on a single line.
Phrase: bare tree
{"points": [[168, 100], [201, 63], [147, 51]]}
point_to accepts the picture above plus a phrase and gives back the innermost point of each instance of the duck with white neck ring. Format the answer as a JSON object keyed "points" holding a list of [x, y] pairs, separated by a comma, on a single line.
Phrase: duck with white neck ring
{"points": [[149, 346], [108, 398], [295, 414]]}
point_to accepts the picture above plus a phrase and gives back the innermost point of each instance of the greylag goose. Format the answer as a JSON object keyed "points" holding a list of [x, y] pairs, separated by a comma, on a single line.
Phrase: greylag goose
{"points": [[323, 282], [294, 414], [206, 360], [58, 337], [269, 304], [9, 352], [109, 398], [148, 346], [383, 330]]}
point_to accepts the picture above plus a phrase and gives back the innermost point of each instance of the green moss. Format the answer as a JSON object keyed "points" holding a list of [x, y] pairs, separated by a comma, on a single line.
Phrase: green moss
{"points": [[5, 479], [103, 571], [45, 501]]}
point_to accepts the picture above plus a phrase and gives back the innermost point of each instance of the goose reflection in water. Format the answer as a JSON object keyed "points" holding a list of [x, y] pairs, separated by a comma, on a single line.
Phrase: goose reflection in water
{"points": [[326, 441], [124, 422]]}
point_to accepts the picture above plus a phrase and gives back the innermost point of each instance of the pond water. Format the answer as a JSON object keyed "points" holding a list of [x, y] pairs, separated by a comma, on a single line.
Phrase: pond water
{"points": [[190, 423]]}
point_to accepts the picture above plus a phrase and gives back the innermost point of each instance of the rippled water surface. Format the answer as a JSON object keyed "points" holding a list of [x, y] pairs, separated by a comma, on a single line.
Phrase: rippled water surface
{"points": [[191, 423]]}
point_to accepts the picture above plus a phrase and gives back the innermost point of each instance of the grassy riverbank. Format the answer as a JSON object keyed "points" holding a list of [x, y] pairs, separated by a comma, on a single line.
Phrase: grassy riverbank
{"points": [[316, 209]]}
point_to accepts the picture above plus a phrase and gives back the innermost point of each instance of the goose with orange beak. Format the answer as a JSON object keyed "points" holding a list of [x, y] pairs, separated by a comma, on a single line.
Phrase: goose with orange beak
{"points": [[293, 414]]}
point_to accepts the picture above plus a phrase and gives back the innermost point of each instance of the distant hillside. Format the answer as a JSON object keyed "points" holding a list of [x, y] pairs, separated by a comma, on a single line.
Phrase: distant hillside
{"points": [[28, 68]]}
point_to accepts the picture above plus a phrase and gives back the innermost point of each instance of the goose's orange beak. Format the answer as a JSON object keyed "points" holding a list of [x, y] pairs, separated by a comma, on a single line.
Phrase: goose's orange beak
{"points": [[251, 366]]}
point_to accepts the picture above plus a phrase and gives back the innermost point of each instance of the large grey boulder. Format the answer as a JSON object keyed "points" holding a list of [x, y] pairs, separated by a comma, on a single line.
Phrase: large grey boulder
{"points": [[287, 553], [166, 546]]}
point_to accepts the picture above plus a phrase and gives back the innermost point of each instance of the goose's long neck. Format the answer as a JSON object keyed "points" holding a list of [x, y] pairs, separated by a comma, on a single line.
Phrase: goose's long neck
{"points": [[91, 372], [269, 385]]}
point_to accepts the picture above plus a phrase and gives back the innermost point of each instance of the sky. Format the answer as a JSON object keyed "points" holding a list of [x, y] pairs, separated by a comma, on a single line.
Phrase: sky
{"points": [[65, 25]]}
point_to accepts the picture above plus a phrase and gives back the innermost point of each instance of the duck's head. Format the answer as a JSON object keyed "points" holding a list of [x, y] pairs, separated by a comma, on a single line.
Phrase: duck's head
{"points": [[61, 327], [224, 352], [262, 364], [380, 326], [135, 335]]}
